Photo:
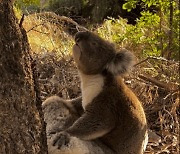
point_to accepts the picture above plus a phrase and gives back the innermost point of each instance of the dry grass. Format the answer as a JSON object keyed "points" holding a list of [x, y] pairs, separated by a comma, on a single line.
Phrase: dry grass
{"points": [[46, 37], [161, 106], [58, 76]]}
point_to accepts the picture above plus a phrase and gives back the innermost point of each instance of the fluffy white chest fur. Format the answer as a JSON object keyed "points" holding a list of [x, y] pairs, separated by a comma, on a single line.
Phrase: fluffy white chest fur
{"points": [[91, 86]]}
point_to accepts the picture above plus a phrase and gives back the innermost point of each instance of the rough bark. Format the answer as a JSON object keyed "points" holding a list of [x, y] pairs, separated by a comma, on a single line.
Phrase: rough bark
{"points": [[21, 124], [171, 30]]}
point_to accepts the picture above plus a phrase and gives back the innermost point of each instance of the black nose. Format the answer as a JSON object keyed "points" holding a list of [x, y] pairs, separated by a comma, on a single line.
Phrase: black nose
{"points": [[83, 35]]}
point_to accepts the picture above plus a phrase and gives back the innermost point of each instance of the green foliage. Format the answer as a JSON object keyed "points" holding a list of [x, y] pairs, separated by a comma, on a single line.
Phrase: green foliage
{"points": [[26, 3], [26, 6], [85, 2], [129, 5], [151, 34], [18, 12], [148, 31], [142, 38]]}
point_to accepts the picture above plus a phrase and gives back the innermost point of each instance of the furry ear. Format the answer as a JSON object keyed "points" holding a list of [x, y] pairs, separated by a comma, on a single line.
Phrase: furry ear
{"points": [[122, 62]]}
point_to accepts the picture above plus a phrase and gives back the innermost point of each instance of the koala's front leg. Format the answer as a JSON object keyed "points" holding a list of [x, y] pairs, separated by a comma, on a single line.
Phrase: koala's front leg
{"points": [[61, 139], [91, 126]]}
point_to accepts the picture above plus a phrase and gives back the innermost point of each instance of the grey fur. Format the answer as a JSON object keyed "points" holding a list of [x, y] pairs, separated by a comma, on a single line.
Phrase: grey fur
{"points": [[58, 118], [122, 62]]}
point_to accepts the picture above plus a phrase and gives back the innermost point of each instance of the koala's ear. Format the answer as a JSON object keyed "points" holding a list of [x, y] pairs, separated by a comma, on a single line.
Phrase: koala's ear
{"points": [[122, 62]]}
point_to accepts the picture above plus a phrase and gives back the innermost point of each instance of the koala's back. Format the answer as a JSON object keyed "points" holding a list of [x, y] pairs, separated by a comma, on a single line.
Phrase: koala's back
{"points": [[119, 104]]}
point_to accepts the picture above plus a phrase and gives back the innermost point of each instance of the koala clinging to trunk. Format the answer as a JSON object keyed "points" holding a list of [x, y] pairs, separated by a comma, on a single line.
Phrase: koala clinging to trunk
{"points": [[110, 111]]}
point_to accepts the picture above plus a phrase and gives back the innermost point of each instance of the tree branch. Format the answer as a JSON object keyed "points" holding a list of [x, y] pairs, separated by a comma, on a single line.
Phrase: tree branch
{"points": [[35, 27], [21, 21], [168, 86], [154, 58], [39, 31], [71, 27]]}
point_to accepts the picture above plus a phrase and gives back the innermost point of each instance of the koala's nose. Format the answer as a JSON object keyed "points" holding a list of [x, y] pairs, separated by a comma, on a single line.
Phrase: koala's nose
{"points": [[83, 35]]}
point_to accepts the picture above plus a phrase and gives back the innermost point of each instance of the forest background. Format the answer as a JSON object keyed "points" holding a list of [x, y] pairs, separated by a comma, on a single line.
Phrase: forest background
{"points": [[148, 28]]}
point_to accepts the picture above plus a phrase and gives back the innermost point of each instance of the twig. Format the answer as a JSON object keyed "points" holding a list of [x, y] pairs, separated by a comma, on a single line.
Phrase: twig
{"points": [[21, 21], [154, 58], [35, 27], [39, 31]]}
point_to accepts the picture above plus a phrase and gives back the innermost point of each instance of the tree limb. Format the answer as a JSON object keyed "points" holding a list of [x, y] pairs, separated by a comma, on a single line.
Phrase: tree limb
{"points": [[21, 21], [35, 27], [154, 58], [167, 86], [70, 26]]}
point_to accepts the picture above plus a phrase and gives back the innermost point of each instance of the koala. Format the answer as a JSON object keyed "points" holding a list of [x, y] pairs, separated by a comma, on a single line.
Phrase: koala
{"points": [[60, 114], [108, 110]]}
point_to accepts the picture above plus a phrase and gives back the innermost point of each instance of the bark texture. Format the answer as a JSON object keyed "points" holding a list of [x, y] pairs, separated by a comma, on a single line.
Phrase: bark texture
{"points": [[21, 124]]}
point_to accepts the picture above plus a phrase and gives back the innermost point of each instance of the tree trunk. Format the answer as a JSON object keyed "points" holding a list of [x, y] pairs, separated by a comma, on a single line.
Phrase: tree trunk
{"points": [[171, 30], [103, 8], [160, 28], [22, 128]]}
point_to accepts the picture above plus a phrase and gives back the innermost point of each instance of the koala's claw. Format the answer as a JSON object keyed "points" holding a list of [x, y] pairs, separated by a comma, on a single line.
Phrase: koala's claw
{"points": [[62, 139]]}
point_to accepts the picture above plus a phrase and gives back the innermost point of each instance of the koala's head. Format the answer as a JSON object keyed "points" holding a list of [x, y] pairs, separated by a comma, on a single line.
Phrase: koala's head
{"points": [[93, 55]]}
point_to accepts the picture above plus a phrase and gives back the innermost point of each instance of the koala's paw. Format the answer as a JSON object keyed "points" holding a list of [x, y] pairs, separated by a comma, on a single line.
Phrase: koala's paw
{"points": [[61, 139]]}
